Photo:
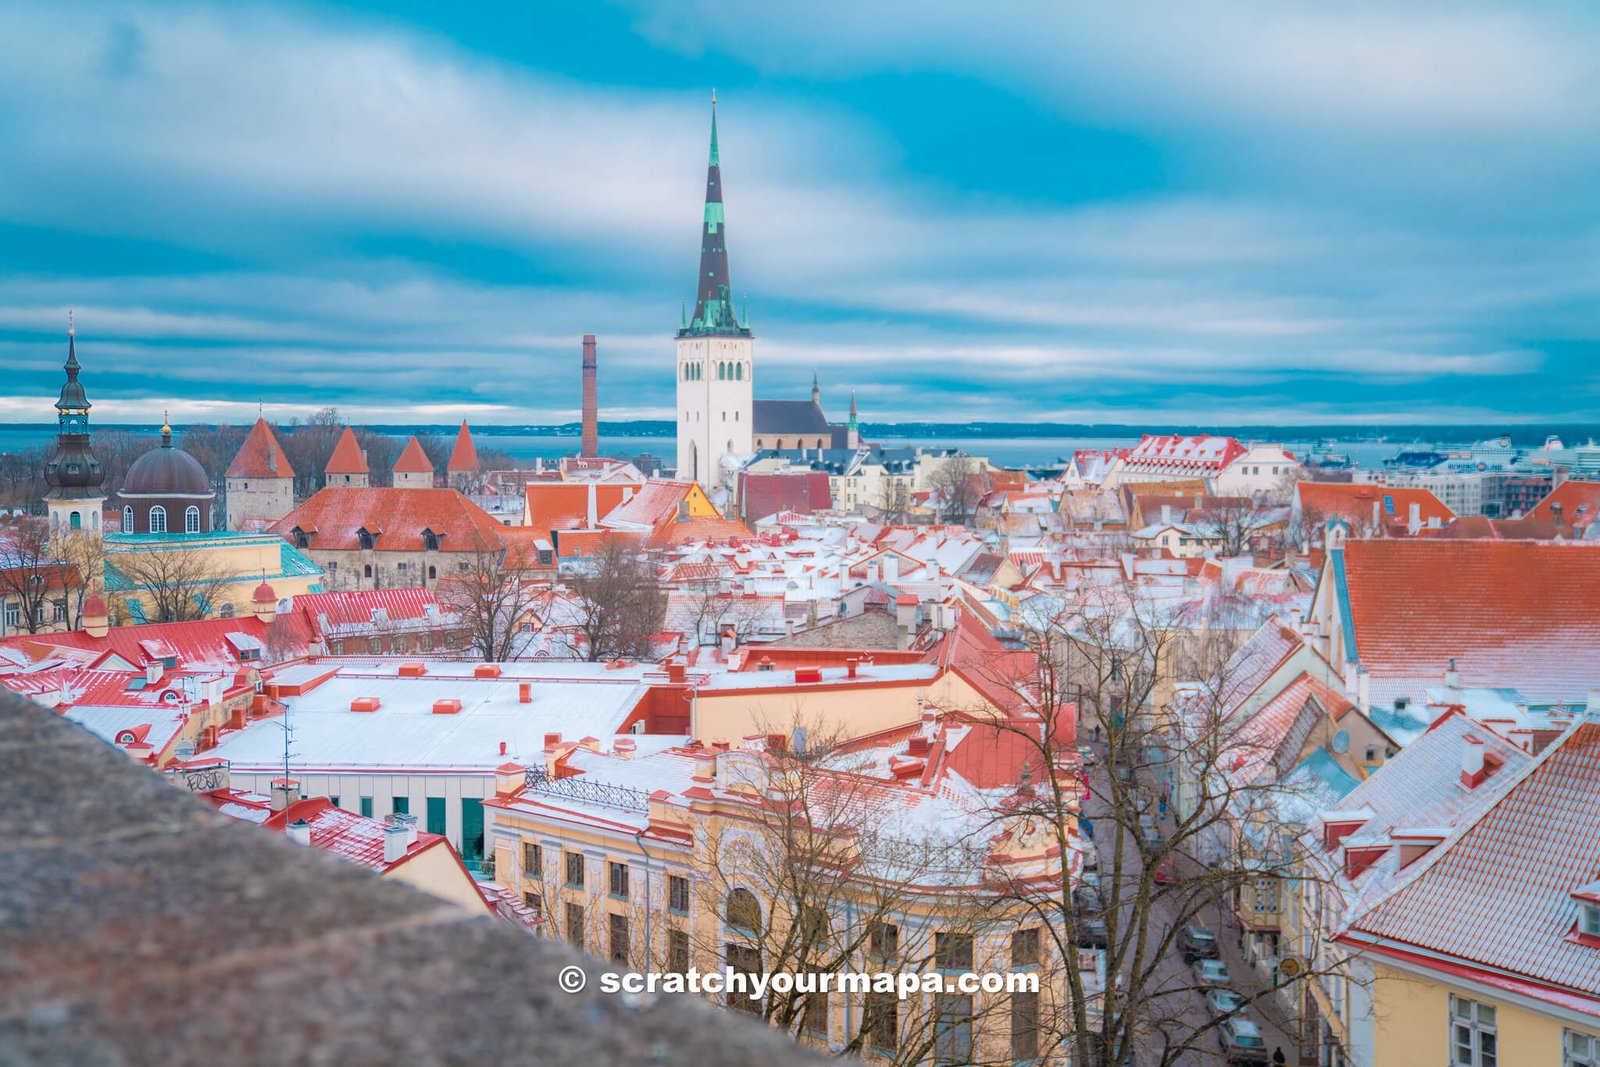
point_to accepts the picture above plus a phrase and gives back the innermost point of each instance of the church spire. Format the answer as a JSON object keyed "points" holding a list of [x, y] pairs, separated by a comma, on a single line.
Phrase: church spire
{"points": [[816, 387], [713, 309]]}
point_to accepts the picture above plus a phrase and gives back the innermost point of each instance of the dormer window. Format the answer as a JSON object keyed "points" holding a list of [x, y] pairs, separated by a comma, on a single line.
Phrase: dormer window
{"points": [[364, 540], [301, 538], [1587, 898], [430, 541], [1589, 920]]}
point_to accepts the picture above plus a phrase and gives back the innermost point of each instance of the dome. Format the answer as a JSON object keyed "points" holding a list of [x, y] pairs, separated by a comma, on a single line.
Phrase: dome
{"points": [[166, 471], [265, 594], [94, 607]]}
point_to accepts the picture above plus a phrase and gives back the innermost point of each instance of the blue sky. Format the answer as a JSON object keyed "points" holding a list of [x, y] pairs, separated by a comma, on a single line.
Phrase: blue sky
{"points": [[1232, 212]]}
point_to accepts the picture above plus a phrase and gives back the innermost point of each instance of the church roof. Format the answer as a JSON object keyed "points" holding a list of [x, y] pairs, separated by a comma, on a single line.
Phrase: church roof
{"points": [[789, 416], [464, 457], [347, 456], [395, 518], [166, 470], [413, 460], [713, 307], [261, 456]]}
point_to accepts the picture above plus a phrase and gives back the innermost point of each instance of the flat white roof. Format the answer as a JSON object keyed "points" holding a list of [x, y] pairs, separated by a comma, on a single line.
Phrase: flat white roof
{"points": [[405, 734]]}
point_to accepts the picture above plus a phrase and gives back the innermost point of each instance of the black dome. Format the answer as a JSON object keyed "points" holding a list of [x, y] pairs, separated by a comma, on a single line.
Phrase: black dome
{"points": [[166, 471]]}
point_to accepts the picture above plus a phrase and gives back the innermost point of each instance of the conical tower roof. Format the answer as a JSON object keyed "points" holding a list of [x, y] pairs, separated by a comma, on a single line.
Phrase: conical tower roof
{"points": [[713, 307], [347, 457], [413, 460], [261, 456], [464, 457]]}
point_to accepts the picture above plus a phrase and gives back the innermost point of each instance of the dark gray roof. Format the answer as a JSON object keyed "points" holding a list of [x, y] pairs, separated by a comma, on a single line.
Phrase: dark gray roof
{"points": [[137, 926], [789, 416]]}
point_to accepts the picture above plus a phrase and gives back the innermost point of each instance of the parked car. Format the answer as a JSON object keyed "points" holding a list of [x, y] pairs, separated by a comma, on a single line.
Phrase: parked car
{"points": [[1166, 872], [1088, 755], [1222, 1003], [1211, 973], [1241, 1041], [1197, 943]]}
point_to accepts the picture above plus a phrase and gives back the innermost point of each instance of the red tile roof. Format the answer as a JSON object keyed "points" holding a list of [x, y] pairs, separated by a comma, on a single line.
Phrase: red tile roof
{"points": [[767, 494], [354, 610], [346, 834], [464, 456], [1360, 504], [1514, 614], [1579, 503], [654, 503], [195, 643], [396, 518], [699, 529], [347, 456], [1183, 455], [413, 460], [260, 456], [1500, 895]]}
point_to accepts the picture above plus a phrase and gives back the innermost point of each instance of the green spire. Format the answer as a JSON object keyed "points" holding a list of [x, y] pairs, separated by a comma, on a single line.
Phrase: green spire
{"points": [[715, 161], [683, 314]]}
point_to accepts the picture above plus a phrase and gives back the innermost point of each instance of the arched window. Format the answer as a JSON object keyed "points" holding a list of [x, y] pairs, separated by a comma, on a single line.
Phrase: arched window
{"points": [[719, 372], [738, 372], [366, 572], [75, 520], [778, 444], [96, 517], [432, 573], [226, 611], [158, 519], [743, 911], [191, 519], [127, 518]]}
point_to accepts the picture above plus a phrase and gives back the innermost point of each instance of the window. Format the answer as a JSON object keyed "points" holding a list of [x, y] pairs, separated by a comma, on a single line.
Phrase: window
{"points": [[883, 940], [815, 1020], [1025, 1025], [366, 807], [882, 1022], [400, 805], [364, 540], [534, 901], [575, 869], [191, 519], [952, 952], [619, 937], [1372, 753], [430, 541], [1472, 1034], [436, 817], [472, 829], [1589, 919], [677, 952], [678, 894], [575, 925], [745, 959], [158, 519], [1025, 947], [400, 566], [432, 573], [532, 860], [127, 519], [366, 571], [1579, 1050], [13, 615], [619, 880], [743, 912], [952, 1029]]}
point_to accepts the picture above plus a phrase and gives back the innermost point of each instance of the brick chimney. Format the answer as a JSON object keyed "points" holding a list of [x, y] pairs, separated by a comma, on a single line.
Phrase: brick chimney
{"points": [[591, 401]]}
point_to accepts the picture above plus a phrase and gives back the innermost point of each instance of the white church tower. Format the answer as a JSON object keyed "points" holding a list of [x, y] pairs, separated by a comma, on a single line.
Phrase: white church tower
{"points": [[716, 356]]}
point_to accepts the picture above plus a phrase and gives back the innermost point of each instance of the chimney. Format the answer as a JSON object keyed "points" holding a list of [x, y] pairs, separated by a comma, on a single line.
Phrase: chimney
{"points": [[1452, 680], [502, 748], [394, 842], [285, 792], [509, 777], [1472, 771], [705, 765], [730, 641], [625, 747], [891, 568], [410, 824], [917, 745], [96, 619], [152, 673], [551, 740], [299, 832], [850, 667], [525, 693], [676, 672], [1414, 522], [591, 402], [1166, 514]]}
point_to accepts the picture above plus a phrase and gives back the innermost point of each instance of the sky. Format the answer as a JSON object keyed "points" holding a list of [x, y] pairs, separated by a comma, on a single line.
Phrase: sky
{"points": [[1265, 212]]}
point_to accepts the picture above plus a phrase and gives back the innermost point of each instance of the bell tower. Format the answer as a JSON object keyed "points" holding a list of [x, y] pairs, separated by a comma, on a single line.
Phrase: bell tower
{"points": [[74, 474], [716, 354]]}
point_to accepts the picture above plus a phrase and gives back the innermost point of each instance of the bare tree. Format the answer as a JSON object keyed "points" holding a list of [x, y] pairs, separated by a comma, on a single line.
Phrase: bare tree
{"points": [[173, 585], [1234, 523], [494, 607], [619, 602], [894, 500], [85, 553], [33, 576], [958, 486], [1164, 862]]}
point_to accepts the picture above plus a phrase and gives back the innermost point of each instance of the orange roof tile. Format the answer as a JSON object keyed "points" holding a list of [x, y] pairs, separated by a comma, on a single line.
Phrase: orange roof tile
{"points": [[565, 505], [395, 517], [1577, 502], [347, 456], [413, 460], [464, 457], [1358, 503], [260, 456]]}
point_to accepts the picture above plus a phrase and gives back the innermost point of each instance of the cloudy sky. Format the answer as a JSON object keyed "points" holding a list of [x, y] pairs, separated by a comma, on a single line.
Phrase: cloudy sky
{"points": [[1231, 212]]}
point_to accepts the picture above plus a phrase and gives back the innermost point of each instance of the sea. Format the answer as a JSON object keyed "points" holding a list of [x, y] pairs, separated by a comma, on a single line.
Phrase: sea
{"points": [[1034, 452]]}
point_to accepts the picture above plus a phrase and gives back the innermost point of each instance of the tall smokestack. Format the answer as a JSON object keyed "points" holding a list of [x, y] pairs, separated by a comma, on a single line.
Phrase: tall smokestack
{"points": [[591, 403]]}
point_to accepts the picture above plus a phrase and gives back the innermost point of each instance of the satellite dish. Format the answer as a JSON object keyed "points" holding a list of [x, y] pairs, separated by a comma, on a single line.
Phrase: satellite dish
{"points": [[1341, 741]]}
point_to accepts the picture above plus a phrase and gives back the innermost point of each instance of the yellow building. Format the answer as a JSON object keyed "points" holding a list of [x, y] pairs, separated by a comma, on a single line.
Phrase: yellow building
{"points": [[165, 577], [865, 861]]}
